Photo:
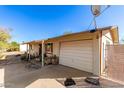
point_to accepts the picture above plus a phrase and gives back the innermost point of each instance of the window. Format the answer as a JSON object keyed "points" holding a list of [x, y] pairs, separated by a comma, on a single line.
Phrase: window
{"points": [[49, 48]]}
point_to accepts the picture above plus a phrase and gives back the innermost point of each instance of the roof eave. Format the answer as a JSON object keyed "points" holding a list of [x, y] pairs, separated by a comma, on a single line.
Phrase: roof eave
{"points": [[114, 34]]}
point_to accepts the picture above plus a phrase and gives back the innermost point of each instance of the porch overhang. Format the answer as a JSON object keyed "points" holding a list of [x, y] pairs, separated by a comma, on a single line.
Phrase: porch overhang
{"points": [[34, 42]]}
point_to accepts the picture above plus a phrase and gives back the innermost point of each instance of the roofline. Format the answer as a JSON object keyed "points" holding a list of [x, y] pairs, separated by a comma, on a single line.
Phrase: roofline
{"points": [[34, 41], [116, 34], [85, 31]]}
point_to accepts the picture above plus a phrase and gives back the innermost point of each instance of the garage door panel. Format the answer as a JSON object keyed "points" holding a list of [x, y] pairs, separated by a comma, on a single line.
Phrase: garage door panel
{"points": [[76, 49], [80, 58], [87, 46], [85, 55], [77, 54], [86, 61], [85, 67]]}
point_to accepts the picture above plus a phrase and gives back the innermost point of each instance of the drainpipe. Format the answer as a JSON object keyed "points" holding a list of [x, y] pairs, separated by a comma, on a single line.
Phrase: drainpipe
{"points": [[42, 53], [100, 51]]}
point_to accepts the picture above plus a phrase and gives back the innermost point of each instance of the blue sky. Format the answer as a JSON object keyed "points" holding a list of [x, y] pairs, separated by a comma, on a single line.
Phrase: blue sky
{"points": [[41, 22]]}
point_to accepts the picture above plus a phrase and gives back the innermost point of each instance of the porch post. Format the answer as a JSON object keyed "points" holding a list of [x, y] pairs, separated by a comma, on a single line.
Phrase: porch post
{"points": [[40, 52], [27, 48], [29, 53], [43, 53]]}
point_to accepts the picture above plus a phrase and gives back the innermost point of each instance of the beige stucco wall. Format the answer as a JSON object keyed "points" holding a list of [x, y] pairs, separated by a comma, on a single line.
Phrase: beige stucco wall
{"points": [[56, 48], [35, 49], [23, 47], [96, 54], [106, 37]]}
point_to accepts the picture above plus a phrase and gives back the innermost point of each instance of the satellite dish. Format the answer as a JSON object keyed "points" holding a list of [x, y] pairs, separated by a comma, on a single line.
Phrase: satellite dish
{"points": [[95, 10]]}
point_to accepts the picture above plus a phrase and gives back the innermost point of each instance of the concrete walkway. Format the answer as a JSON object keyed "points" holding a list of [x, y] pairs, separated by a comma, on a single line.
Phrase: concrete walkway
{"points": [[45, 83]]}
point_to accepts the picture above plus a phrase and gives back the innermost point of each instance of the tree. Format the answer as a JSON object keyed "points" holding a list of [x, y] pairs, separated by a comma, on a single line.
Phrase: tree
{"points": [[13, 46], [3, 45], [4, 38], [5, 35]]}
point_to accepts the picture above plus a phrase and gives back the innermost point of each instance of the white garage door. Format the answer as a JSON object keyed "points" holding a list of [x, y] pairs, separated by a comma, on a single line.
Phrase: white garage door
{"points": [[77, 54]]}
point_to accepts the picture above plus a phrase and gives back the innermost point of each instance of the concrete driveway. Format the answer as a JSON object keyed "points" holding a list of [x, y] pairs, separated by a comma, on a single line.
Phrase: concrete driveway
{"points": [[15, 75], [51, 76]]}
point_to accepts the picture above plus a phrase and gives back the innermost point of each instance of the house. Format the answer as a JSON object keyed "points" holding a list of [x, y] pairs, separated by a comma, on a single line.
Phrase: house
{"points": [[23, 47], [83, 50]]}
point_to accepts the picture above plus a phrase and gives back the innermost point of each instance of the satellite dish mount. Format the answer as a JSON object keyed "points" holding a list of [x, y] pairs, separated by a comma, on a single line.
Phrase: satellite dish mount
{"points": [[96, 12]]}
